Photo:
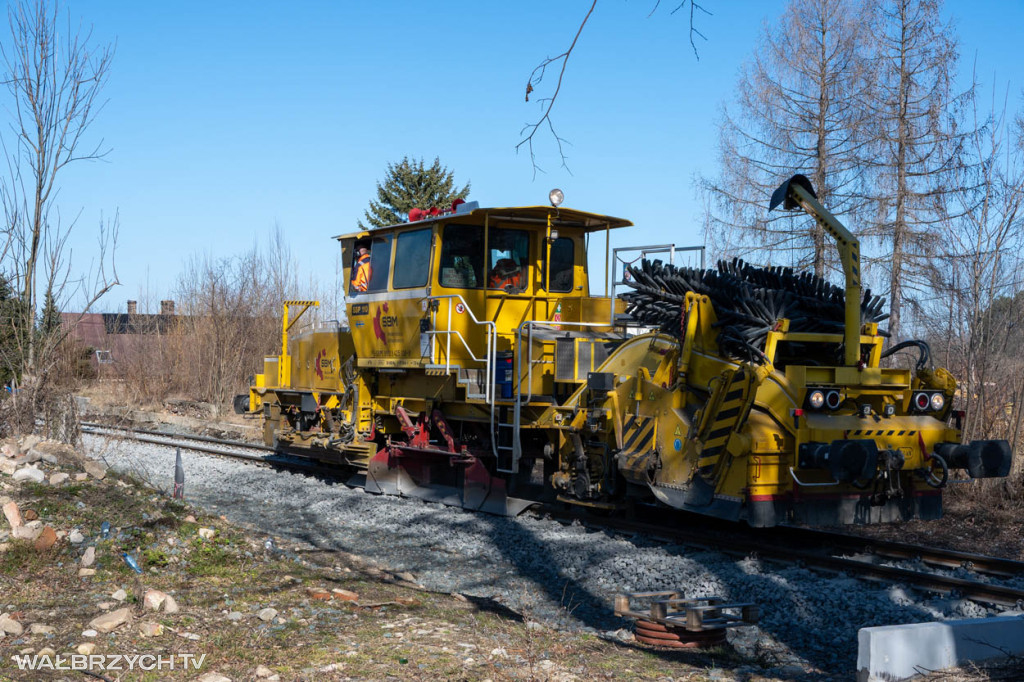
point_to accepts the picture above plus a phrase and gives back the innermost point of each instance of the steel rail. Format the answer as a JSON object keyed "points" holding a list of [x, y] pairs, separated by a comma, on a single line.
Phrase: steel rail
{"points": [[199, 444], [891, 549], [968, 589]]}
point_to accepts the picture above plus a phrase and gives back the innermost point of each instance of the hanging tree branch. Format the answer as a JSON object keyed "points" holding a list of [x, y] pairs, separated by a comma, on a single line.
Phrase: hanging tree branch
{"points": [[529, 131]]}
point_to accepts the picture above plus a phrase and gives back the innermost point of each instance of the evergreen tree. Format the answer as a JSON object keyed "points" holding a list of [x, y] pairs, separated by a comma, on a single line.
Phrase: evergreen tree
{"points": [[411, 184], [49, 318], [12, 336]]}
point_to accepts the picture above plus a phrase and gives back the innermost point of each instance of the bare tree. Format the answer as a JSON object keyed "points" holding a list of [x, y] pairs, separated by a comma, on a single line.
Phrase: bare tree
{"points": [[800, 108], [917, 153], [54, 75], [978, 310]]}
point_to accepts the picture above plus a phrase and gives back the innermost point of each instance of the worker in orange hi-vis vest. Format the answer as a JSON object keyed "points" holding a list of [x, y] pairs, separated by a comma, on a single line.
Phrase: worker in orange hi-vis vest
{"points": [[361, 278], [505, 274]]}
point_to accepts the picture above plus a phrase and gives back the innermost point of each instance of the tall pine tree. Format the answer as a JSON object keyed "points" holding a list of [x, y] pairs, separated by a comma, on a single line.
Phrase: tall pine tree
{"points": [[49, 318], [411, 184]]}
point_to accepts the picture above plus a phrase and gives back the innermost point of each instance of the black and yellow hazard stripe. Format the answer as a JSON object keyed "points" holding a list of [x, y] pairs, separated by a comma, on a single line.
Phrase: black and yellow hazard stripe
{"points": [[729, 413], [637, 434]]}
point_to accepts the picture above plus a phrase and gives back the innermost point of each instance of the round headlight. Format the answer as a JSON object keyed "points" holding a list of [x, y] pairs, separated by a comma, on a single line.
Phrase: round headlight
{"points": [[938, 401], [556, 197], [921, 401], [833, 399], [816, 399]]}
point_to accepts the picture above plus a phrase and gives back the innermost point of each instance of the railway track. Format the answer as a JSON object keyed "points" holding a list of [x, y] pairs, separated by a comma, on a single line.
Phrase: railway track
{"points": [[252, 453], [826, 550], [770, 546]]}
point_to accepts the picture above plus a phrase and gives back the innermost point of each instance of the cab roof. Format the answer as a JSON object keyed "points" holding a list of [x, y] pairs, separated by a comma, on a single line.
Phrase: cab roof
{"points": [[538, 215]]}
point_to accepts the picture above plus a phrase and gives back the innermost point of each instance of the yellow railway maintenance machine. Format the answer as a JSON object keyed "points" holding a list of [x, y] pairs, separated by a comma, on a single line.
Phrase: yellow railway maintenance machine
{"points": [[477, 370]]}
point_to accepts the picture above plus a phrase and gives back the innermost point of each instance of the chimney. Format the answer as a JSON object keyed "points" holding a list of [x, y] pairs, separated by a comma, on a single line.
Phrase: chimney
{"points": [[133, 307], [166, 307]]}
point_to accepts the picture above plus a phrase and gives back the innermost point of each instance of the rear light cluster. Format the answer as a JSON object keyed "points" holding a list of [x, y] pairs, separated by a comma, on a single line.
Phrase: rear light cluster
{"points": [[927, 401], [818, 398]]}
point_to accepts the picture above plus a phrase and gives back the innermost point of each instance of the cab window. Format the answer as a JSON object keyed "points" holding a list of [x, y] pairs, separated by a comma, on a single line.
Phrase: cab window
{"points": [[380, 263], [462, 257], [562, 262], [507, 259], [412, 259]]}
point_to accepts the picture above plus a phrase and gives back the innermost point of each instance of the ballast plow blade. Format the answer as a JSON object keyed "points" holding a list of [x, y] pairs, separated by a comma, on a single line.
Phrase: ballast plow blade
{"points": [[463, 482]]}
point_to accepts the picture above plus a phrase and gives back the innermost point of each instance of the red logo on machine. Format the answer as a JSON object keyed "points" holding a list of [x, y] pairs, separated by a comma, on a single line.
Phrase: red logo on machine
{"points": [[379, 322], [322, 363]]}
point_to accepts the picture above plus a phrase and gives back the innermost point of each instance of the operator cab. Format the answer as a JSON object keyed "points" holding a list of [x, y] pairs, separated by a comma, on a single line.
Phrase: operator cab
{"points": [[466, 269]]}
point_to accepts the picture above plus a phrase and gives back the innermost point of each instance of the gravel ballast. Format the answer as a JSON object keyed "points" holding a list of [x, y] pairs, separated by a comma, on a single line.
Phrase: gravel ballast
{"points": [[561, 576]]}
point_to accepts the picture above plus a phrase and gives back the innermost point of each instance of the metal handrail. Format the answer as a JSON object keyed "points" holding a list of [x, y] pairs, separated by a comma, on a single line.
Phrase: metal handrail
{"points": [[490, 343], [528, 326], [671, 249]]}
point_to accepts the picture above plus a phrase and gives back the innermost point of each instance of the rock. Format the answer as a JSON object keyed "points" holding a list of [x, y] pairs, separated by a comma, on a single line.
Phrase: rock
{"points": [[81, 477], [9, 450], [170, 606], [459, 597], [151, 629], [47, 652], [89, 633], [13, 514], [319, 593], [89, 557], [30, 441], [86, 572], [234, 616], [57, 479], [54, 451], [106, 605], [94, 469], [206, 533], [86, 648], [30, 531], [267, 615], [153, 600], [406, 576], [7, 466], [344, 595], [189, 635], [213, 677], [29, 474], [40, 629], [120, 595], [30, 457], [11, 626], [46, 539], [108, 622], [263, 671], [190, 519], [75, 537]]}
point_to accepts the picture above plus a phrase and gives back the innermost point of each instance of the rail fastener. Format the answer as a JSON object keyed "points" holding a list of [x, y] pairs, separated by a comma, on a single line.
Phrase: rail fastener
{"points": [[674, 621]]}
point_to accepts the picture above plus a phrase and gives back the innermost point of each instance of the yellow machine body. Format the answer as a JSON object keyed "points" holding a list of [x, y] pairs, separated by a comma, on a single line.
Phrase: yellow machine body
{"points": [[477, 369]]}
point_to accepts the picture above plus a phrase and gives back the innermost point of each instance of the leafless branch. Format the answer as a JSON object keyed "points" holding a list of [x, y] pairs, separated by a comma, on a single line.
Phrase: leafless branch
{"points": [[529, 131]]}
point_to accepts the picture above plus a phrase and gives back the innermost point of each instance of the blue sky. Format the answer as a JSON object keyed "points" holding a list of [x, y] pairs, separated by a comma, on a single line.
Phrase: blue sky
{"points": [[227, 118]]}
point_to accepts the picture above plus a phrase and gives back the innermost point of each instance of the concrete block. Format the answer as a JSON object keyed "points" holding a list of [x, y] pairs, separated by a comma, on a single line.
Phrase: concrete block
{"points": [[900, 652]]}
